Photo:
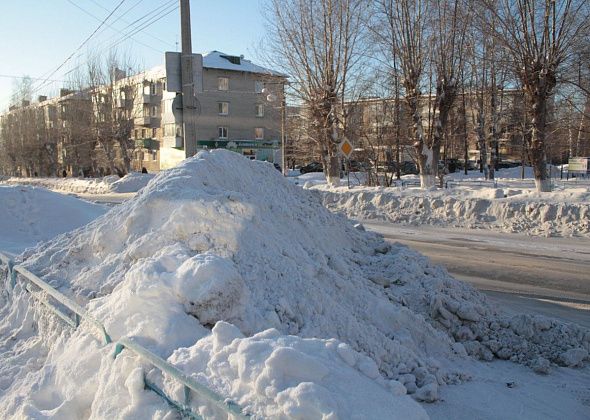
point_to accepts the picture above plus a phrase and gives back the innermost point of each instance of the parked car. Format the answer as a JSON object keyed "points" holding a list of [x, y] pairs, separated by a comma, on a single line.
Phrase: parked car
{"points": [[312, 167], [277, 167]]}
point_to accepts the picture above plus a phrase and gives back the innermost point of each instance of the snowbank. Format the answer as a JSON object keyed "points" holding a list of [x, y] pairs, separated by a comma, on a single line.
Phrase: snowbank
{"points": [[131, 182], [561, 213], [222, 238], [30, 215]]}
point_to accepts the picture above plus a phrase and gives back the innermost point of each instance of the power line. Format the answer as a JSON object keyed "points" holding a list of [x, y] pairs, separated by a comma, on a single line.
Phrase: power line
{"points": [[9, 76], [116, 29], [140, 24], [160, 14], [81, 45], [163, 41]]}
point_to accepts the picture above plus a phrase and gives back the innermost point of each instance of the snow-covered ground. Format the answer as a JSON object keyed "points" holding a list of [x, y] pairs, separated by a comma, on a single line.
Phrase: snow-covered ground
{"points": [[29, 215], [509, 205], [131, 182], [247, 283]]}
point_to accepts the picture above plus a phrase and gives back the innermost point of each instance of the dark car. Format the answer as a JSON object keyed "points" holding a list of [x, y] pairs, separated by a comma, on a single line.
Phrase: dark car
{"points": [[277, 167], [312, 167]]}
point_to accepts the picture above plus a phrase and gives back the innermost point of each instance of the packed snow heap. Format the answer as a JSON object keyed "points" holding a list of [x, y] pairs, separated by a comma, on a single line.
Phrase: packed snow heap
{"points": [[252, 287]]}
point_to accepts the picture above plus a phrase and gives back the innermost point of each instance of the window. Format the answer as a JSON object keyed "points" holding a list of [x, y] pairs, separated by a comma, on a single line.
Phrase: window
{"points": [[143, 133], [258, 86], [223, 83], [259, 110], [153, 88], [222, 132], [154, 133], [136, 134], [154, 111], [259, 133], [223, 108]]}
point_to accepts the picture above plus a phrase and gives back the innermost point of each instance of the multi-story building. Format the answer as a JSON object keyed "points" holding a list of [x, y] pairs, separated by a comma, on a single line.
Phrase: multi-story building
{"points": [[373, 128], [234, 112], [136, 122]]}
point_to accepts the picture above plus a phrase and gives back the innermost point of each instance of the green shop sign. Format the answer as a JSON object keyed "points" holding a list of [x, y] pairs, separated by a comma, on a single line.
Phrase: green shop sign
{"points": [[237, 144]]}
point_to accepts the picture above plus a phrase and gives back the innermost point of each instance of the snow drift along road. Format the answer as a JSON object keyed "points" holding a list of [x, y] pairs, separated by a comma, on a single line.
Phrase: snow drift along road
{"points": [[221, 238], [552, 214]]}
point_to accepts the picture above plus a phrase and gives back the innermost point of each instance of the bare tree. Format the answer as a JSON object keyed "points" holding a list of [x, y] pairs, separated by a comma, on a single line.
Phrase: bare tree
{"points": [[402, 29], [540, 36], [317, 43], [22, 90]]}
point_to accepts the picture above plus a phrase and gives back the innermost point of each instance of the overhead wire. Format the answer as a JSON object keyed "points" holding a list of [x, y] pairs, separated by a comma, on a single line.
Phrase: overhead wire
{"points": [[43, 84], [120, 17], [109, 25], [138, 25]]}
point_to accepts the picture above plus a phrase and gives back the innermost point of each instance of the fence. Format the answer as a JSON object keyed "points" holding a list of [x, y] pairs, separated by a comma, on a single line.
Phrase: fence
{"points": [[73, 315]]}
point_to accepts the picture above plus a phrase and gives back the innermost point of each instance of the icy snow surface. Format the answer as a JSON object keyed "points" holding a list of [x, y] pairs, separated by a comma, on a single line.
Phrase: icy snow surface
{"points": [[29, 215], [320, 319]]}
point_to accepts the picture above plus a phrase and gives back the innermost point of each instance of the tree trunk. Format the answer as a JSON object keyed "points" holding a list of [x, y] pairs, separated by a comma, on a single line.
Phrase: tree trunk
{"points": [[538, 138]]}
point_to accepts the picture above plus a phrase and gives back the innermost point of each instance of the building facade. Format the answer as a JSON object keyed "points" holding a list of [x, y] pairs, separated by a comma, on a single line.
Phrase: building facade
{"points": [[135, 122], [239, 108]]}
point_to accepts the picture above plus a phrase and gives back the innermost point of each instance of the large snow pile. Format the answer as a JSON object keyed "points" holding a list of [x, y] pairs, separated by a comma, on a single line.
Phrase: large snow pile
{"points": [[131, 182], [30, 215], [221, 238], [561, 213]]}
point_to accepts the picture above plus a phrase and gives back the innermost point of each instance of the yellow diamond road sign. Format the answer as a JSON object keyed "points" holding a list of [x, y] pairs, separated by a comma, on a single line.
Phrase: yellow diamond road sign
{"points": [[346, 148]]}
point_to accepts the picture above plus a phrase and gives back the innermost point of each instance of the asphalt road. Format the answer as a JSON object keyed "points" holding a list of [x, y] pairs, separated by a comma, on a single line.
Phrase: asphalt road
{"points": [[549, 276]]}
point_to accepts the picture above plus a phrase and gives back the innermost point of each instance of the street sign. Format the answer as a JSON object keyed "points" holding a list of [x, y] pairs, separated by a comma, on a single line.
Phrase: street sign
{"points": [[345, 148], [578, 165], [173, 79]]}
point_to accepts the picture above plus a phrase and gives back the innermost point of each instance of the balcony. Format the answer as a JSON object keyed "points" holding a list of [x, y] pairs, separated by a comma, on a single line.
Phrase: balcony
{"points": [[149, 143], [173, 141], [151, 98], [146, 121]]}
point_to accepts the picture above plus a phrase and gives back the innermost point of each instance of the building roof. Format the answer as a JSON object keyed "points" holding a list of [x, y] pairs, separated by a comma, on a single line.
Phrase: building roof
{"points": [[220, 60]]}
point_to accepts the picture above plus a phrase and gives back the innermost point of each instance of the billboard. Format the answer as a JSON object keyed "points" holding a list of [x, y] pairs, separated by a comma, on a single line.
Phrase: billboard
{"points": [[578, 165]]}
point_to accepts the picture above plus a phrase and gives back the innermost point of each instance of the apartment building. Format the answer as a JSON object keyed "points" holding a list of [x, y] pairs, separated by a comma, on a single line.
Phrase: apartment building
{"points": [[373, 126], [135, 122], [239, 108]]}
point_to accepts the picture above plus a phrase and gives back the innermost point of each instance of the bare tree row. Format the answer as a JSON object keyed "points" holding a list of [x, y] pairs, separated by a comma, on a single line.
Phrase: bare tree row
{"points": [[85, 131], [439, 60]]}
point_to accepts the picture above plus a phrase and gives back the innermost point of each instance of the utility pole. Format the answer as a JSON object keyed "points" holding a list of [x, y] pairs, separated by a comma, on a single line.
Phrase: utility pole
{"points": [[189, 109]]}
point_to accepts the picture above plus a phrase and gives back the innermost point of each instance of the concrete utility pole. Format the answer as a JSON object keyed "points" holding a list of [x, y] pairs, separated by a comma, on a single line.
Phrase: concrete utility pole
{"points": [[189, 109]]}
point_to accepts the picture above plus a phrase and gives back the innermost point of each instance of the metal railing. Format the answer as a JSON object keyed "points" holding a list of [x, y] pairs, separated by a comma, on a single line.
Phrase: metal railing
{"points": [[79, 314]]}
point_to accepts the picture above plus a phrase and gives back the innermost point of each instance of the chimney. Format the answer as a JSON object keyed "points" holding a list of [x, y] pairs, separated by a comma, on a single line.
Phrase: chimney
{"points": [[118, 74], [65, 92], [42, 98], [25, 103]]}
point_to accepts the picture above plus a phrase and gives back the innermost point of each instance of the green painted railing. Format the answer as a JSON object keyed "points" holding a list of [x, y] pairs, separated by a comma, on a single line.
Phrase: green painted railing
{"points": [[79, 315]]}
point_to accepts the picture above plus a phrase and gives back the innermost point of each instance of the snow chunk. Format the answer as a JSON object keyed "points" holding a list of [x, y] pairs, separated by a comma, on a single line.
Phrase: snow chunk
{"points": [[211, 288]]}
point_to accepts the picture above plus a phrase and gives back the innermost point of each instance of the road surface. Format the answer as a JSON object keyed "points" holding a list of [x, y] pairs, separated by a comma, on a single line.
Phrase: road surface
{"points": [[550, 276]]}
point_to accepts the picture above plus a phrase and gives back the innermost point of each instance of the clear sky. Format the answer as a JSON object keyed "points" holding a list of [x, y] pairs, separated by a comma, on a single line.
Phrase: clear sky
{"points": [[36, 36]]}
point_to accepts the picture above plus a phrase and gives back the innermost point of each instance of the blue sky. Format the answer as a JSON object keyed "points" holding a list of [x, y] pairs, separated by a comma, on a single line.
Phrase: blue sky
{"points": [[38, 35]]}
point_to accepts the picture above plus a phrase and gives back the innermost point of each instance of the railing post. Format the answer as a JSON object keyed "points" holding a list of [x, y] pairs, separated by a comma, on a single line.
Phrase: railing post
{"points": [[118, 349], [187, 396], [12, 274]]}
